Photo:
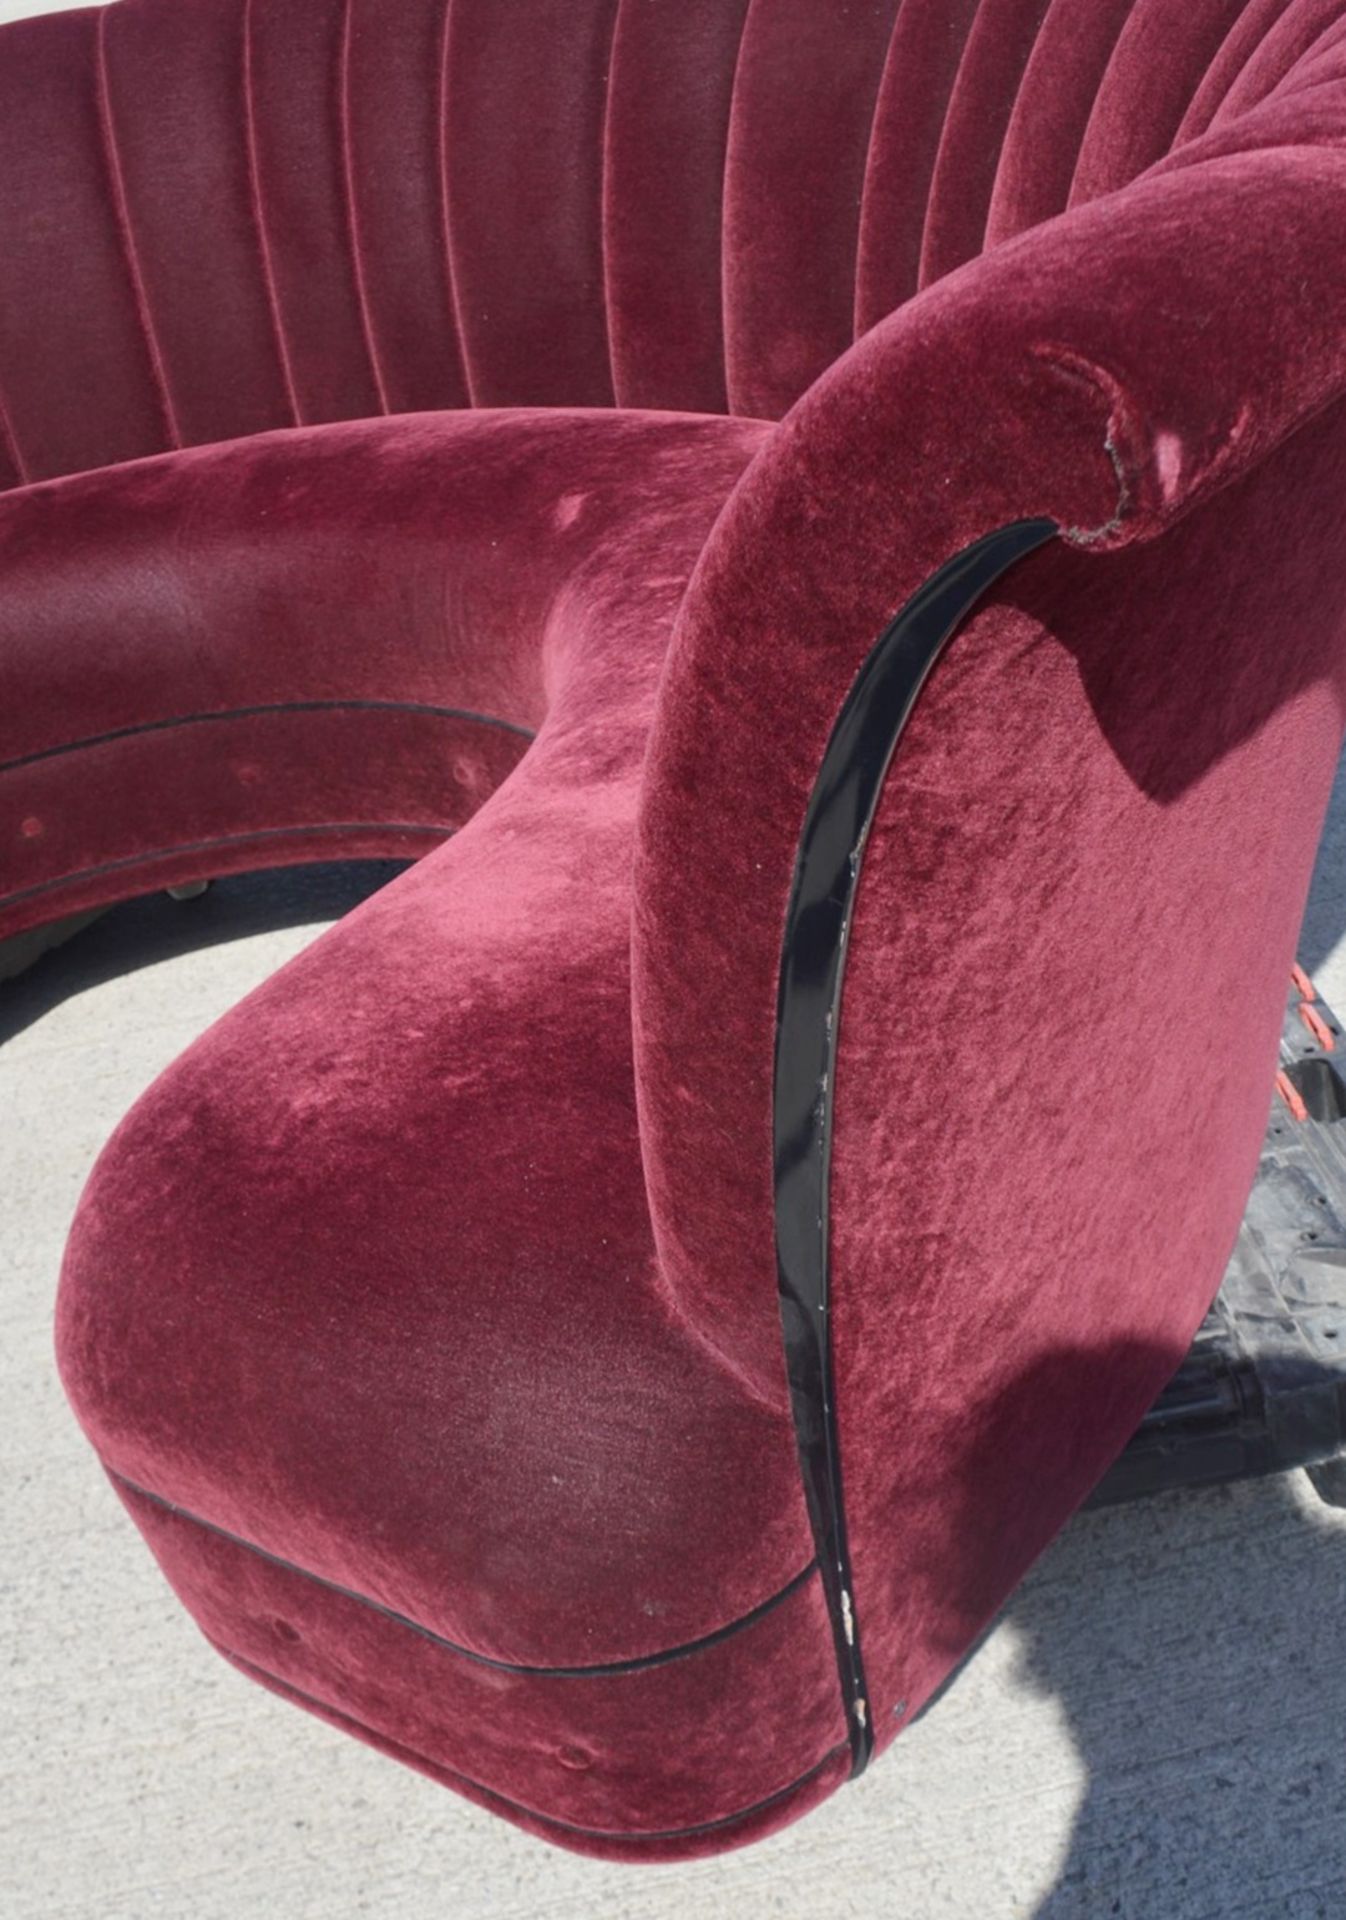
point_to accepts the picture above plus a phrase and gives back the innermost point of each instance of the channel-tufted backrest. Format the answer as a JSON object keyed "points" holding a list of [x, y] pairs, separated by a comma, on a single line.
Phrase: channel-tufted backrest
{"points": [[229, 215]]}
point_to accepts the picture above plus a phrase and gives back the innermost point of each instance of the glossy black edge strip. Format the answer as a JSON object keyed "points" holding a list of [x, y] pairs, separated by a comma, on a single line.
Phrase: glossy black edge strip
{"points": [[258, 835], [252, 713], [437, 1769], [600, 1671], [836, 825]]}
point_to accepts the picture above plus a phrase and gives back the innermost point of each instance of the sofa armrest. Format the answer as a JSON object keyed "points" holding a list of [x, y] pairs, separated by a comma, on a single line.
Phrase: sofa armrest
{"points": [[1114, 372]]}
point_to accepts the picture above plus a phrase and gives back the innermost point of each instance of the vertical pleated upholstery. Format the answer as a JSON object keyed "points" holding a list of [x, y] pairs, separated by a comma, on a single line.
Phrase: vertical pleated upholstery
{"points": [[524, 109], [667, 130], [804, 93], [76, 367], [922, 67], [292, 69], [1161, 54], [1240, 43], [257, 213], [177, 120], [980, 106], [1051, 113], [392, 61], [11, 470], [1286, 41]]}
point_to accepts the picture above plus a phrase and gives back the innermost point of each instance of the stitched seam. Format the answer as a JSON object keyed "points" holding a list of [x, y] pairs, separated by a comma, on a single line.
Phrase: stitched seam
{"points": [[257, 835], [730, 402], [604, 151], [252, 713], [11, 441], [348, 195], [599, 1670], [491, 1793], [1088, 118], [259, 218], [445, 222], [1187, 130], [1220, 119], [1008, 127], [865, 173], [122, 214], [1094, 115], [517, 1806], [975, 19]]}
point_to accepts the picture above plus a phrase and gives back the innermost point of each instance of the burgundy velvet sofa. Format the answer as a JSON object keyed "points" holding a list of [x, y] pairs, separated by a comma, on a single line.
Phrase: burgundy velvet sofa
{"points": [[758, 496]]}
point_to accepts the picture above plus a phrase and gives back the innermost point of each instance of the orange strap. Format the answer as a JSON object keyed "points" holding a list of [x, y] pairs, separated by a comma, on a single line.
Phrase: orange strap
{"points": [[1286, 1088], [1301, 983], [1317, 1026]]}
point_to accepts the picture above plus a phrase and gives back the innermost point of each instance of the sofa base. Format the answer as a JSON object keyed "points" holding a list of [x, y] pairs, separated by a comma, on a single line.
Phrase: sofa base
{"points": [[689, 1752]]}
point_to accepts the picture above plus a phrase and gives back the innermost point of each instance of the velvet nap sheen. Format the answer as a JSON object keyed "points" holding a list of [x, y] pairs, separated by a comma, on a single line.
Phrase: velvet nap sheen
{"points": [[498, 435]]}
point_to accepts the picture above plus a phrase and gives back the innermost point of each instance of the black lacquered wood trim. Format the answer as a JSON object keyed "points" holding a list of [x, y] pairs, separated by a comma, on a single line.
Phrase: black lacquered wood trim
{"points": [[813, 964]]}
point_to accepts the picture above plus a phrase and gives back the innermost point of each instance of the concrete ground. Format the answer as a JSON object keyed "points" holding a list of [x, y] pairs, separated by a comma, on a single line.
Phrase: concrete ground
{"points": [[1154, 1732]]}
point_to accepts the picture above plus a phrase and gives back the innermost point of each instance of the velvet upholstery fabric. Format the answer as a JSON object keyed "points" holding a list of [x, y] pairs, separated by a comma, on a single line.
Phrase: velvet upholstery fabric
{"points": [[499, 435]]}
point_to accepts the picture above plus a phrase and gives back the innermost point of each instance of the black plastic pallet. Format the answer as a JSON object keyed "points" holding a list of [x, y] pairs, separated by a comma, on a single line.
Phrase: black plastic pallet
{"points": [[1264, 1386]]}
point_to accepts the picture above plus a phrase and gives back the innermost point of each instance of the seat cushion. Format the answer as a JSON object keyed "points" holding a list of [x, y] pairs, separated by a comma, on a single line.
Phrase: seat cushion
{"points": [[361, 1307], [332, 640]]}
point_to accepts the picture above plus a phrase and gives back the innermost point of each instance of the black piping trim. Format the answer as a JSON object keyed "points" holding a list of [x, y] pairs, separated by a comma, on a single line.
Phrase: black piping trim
{"points": [[517, 1806], [602, 1670], [253, 713], [832, 840], [258, 834]]}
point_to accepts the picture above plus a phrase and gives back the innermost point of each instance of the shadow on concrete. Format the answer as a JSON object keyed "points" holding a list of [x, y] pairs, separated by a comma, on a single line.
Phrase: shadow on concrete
{"points": [[1194, 1645], [1324, 925], [140, 933], [1191, 1643]]}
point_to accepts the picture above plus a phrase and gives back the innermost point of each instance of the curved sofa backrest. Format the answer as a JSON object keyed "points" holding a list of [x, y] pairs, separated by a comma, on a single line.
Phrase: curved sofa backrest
{"points": [[222, 216]]}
